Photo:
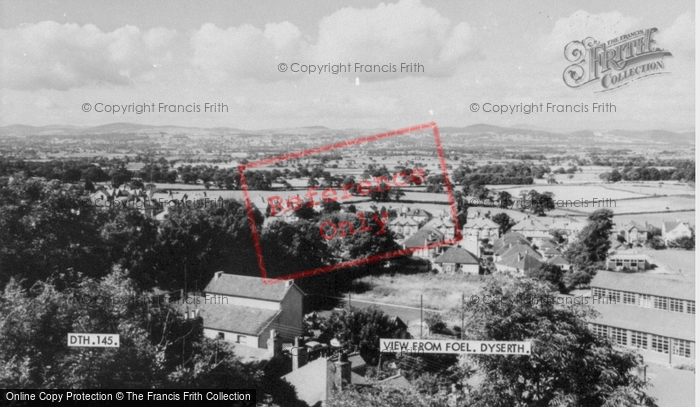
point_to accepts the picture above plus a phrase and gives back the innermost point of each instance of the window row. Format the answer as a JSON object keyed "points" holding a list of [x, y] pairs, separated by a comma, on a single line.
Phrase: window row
{"points": [[643, 300], [642, 340]]}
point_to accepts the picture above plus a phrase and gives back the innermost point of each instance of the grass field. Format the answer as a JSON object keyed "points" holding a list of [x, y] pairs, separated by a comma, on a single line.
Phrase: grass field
{"points": [[439, 291], [673, 260]]}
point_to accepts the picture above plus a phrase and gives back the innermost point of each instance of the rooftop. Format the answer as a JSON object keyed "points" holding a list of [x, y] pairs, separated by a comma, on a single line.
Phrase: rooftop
{"points": [[457, 255], [247, 287], [235, 318], [662, 285], [657, 322]]}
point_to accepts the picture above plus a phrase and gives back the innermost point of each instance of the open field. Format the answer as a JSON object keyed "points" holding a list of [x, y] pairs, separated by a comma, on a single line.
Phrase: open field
{"points": [[672, 260], [576, 192], [438, 291], [657, 204]]}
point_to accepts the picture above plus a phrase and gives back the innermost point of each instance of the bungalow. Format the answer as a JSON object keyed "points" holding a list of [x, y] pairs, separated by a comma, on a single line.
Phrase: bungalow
{"points": [[243, 309], [672, 230], [455, 259], [628, 261], [519, 263], [561, 262]]}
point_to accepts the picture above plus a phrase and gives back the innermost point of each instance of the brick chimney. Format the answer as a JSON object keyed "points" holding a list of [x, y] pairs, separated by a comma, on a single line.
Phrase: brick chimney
{"points": [[343, 368], [274, 344], [298, 353]]}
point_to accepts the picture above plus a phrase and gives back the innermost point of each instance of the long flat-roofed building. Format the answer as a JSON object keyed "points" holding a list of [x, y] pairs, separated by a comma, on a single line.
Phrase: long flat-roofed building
{"points": [[654, 313]]}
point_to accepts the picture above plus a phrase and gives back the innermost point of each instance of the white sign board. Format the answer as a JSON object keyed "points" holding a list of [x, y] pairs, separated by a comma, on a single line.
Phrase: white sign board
{"points": [[449, 346], [93, 340]]}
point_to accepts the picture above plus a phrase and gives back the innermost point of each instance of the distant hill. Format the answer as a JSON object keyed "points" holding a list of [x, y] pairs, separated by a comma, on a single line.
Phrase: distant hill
{"points": [[478, 134]]}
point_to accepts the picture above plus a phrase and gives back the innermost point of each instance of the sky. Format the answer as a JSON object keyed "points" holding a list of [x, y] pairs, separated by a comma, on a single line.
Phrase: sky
{"points": [[56, 56]]}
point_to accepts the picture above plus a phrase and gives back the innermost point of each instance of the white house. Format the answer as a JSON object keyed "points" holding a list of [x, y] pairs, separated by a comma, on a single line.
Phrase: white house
{"points": [[672, 230], [243, 309]]}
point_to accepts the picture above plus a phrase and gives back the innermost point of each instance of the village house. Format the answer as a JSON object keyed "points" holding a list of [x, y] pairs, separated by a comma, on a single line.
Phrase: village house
{"points": [[634, 233], [403, 225], [481, 228], [316, 381], [560, 262], [426, 242], [444, 224], [654, 313], [532, 229], [672, 230], [457, 260], [243, 310]]}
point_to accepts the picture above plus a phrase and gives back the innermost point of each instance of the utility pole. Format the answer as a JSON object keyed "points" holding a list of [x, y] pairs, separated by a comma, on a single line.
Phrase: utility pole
{"points": [[349, 300], [421, 316], [461, 332]]}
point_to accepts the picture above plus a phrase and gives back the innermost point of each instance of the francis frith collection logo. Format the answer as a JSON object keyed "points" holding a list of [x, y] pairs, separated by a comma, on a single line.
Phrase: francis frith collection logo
{"points": [[616, 62]]}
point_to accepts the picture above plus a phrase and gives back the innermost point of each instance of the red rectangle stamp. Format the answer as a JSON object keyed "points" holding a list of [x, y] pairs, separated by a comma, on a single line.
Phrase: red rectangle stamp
{"points": [[363, 222]]}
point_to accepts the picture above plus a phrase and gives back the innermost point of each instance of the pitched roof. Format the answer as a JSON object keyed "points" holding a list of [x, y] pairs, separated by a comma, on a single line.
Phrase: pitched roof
{"points": [[547, 244], [441, 222], [526, 262], [235, 318], [247, 287], [530, 224], [670, 225], [632, 224], [654, 321], [481, 223], [420, 212], [552, 251], [402, 221], [559, 260], [516, 249], [310, 381], [425, 234], [457, 255], [662, 285]]}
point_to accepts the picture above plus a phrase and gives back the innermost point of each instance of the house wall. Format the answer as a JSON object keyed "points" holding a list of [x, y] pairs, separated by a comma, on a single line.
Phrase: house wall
{"points": [[243, 302], [290, 321], [236, 337]]}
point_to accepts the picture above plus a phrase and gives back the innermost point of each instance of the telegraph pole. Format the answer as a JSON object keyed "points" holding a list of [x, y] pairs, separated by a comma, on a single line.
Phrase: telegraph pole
{"points": [[421, 316], [461, 332]]}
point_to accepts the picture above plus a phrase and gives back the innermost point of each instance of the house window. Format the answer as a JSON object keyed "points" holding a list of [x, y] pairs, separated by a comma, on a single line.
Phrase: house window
{"points": [[618, 336], [690, 307], [675, 305], [661, 303], [241, 339], [600, 330], [638, 339], [598, 293], [659, 344], [645, 301], [220, 335], [629, 298], [681, 348]]}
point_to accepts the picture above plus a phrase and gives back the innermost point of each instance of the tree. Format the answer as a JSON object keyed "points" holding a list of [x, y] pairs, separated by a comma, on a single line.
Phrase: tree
{"points": [[505, 200], [683, 242], [540, 203], [504, 222], [590, 250], [156, 343], [551, 274], [361, 329], [569, 364]]}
